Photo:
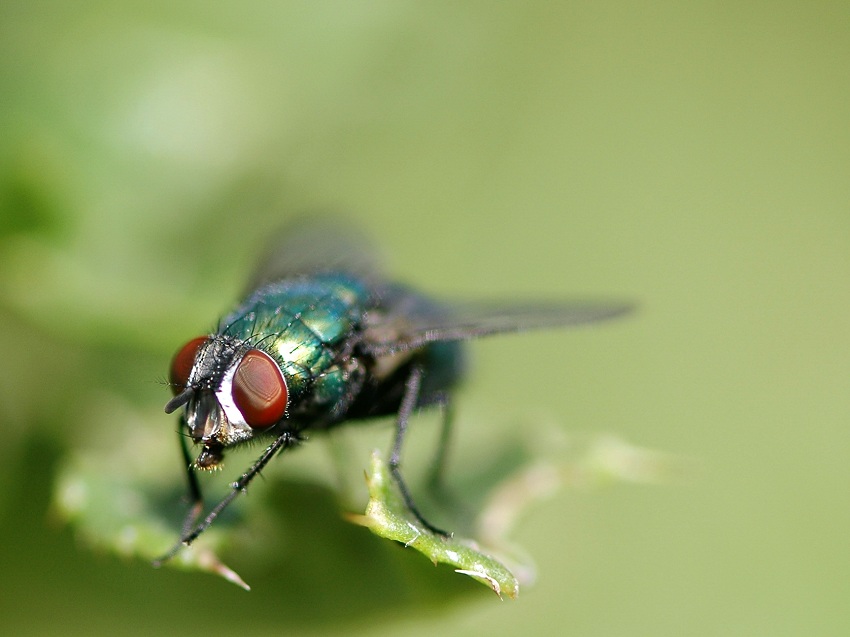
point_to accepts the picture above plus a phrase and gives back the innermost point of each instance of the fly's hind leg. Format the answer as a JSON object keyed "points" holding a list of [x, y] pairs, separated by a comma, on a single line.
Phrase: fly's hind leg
{"points": [[408, 403], [462, 512], [436, 483]]}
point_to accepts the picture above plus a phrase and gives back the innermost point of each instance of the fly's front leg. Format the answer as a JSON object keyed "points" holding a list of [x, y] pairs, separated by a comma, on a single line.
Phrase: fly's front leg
{"points": [[284, 440], [195, 496], [408, 403]]}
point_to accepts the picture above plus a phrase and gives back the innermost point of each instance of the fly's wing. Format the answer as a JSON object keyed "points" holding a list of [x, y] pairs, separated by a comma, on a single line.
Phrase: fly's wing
{"points": [[472, 320], [311, 245]]}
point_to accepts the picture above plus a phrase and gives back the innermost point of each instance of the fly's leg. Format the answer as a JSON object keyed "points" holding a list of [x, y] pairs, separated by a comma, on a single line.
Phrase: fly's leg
{"points": [[286, 439], [436, 482], [195, 495], [436, 474], [408, 402]]}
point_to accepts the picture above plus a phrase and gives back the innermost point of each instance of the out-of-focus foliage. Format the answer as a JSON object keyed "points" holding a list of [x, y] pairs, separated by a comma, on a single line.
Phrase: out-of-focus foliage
{"points": [[691, 156]]}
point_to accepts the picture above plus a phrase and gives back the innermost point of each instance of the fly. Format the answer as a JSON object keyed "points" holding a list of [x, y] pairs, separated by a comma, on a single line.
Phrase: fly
{"points": [[320, 339]]}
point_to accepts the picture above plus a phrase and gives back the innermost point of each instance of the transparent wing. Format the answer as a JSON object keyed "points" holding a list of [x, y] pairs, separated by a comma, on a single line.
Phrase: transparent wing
{"points": [[406, 320], [318, 243], [401, 331]]}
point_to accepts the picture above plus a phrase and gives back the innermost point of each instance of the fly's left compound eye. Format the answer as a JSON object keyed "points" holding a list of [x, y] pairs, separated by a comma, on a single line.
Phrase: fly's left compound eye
{"points": [[259, 389], [182, 363]]}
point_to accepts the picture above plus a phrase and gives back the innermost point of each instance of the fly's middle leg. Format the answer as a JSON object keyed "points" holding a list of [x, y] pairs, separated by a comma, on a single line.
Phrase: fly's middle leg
{"points": [[408, 403]]}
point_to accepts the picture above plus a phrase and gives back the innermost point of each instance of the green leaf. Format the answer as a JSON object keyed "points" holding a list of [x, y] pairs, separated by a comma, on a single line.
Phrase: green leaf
{"points": [[387, 516], [127, 507], [123, 493]]}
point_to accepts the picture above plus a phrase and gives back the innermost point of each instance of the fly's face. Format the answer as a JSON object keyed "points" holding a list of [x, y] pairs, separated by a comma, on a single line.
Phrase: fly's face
{"points": [[230, 391]]}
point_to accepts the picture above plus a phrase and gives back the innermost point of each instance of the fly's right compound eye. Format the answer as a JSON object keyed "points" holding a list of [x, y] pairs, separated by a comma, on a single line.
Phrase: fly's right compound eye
{"points": [[259, 390], [183, 362]]}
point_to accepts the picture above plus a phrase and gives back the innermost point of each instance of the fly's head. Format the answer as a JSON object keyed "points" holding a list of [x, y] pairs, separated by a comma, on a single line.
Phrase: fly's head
{"points": [[230, 392]]}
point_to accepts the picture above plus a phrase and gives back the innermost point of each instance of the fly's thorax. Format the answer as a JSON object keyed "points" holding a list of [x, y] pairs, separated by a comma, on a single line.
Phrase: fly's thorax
{"points": [[309, 325], [232, 391]]}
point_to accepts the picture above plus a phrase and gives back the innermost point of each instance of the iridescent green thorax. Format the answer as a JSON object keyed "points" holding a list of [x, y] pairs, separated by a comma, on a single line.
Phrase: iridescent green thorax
{"points": [[302, 323]]}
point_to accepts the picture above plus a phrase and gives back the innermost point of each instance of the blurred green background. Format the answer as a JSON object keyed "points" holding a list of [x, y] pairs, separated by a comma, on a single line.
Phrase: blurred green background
{"points": [[692, 156]]}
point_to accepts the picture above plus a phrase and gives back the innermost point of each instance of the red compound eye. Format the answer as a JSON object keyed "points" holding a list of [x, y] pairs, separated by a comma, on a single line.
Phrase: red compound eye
{"points": [[182, 363], [259, 389]]}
